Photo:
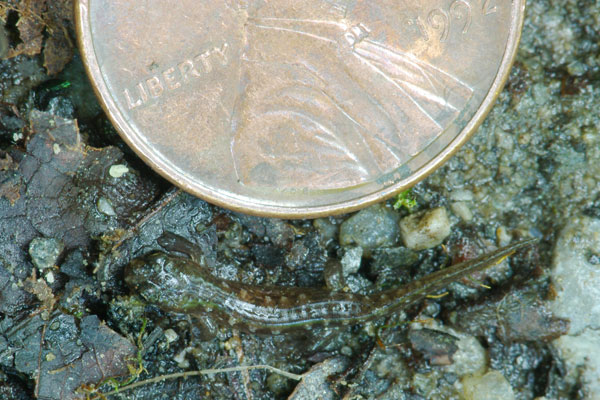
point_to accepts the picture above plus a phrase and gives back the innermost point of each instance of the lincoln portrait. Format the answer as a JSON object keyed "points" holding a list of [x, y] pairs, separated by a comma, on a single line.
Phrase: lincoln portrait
{"points": [[325, 99]]}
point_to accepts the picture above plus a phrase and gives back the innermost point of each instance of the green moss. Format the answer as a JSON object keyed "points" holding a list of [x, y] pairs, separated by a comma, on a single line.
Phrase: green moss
{"points": [[406, 200]]}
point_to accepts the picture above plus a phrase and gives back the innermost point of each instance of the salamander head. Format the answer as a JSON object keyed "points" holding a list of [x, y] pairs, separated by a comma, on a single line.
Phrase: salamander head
{"points": [[160, 279]]}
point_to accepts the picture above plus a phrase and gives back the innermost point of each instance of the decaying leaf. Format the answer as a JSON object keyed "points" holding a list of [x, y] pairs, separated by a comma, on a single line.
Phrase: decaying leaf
{"points": [[54, 188], [13, 299], [58, 48], [68, 354], [41, 290], [39, 19], [30, 26]]}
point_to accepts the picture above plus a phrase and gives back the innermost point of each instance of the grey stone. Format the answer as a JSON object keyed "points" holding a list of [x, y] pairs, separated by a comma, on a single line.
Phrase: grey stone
{"points": [[327, 229], [44, 252], [373, 227], [351, 260], [334, 276], [105, 207], [357, 283]]}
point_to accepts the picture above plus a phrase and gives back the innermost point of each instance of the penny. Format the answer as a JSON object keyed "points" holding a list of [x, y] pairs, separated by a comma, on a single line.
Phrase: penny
{"points": [[297, 108]]}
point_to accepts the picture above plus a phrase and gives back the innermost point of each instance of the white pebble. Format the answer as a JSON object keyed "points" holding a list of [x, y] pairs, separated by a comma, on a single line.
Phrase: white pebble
{"points": [[425, 230], [351, 260], [171, 335], [461, 195], [470, 357], [118, 170], [180, 358], [462, 209], [504, 238], [105, 207], [50, 277], [491, 386]]}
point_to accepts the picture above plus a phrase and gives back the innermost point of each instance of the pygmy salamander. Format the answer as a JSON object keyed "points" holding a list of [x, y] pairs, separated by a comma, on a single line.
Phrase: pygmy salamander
{"points": [[182, 285]]}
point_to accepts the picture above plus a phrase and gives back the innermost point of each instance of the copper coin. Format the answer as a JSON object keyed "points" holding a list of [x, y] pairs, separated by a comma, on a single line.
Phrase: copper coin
{"points": [[297, 108]]}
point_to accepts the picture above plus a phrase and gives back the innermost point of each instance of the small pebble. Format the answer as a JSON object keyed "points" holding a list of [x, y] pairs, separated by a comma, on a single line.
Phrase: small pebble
{"points": [[327, 229], [50, 277], [373, 227], [346, 350], [471, 357], [105, 207], [118, 170], [426, 229], [45, 315], [461, 195], [171, 335], [357, 283], [334, 276], [44, 252], [491, 386], [504, 238], [181, 359], [462, 209], [351, 260]]}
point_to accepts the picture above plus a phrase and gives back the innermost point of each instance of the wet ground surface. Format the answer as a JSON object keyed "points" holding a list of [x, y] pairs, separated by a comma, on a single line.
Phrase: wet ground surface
{"points": [[76, 206]]}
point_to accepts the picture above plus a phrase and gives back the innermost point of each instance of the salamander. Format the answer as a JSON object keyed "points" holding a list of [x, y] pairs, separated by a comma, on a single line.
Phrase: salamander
{"points": [[184, 285]]}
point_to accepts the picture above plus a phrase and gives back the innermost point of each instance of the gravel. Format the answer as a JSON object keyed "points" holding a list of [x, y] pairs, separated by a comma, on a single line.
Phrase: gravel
{"points": [[44, 252], [576, 279], [491, 386], [373, 227], [426, 229]]}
